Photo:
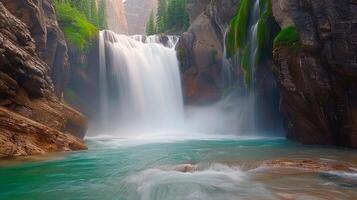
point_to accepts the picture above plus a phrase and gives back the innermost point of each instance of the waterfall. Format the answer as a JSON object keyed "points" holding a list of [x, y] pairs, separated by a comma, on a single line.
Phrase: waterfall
{"points": [[229, 64], [253, 47], [140, 86]]}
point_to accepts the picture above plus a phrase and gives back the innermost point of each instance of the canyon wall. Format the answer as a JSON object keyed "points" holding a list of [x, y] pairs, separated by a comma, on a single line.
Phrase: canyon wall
{"points": [[137, 13], [315, 82], [116, 16], [318, 82], [33, 73]]}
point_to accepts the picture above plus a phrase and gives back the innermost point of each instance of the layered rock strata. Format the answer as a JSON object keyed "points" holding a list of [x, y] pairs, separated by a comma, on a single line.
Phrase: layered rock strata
{"points": [[32, 115]]}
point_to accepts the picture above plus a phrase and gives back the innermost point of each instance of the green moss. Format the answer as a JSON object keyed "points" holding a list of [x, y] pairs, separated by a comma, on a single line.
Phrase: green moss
{"points": [[238, 29], [231, 44], [264, 30], [242, 23], [77, 29], [288, 36], [245, 66]]}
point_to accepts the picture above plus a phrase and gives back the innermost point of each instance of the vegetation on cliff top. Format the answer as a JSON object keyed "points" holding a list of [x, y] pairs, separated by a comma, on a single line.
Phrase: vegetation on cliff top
{"points": [[80, 21], [171, 16]]}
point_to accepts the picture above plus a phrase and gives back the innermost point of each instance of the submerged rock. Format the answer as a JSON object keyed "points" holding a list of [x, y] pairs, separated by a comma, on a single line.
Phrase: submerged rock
{"points": [[187, 168], [308, 165]]}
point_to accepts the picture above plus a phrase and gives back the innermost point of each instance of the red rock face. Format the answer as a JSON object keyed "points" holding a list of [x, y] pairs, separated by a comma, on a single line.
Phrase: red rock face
{"points": [[318, 84], [40, 18], [32, 118], [116, 17]]}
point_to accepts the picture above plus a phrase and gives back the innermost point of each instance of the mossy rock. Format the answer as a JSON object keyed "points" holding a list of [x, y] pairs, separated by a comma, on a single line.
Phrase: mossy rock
{"points": [[287, 36], [238, 29]]}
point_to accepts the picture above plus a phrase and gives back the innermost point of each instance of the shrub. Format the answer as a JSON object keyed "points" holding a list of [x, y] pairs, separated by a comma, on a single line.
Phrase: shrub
{"points": [[77, 29]]}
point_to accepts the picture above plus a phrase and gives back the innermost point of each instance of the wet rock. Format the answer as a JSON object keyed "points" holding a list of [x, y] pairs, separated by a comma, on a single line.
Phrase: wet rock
{"points": [[187, 168], [308, 165], [318, 83], [21, 136]]}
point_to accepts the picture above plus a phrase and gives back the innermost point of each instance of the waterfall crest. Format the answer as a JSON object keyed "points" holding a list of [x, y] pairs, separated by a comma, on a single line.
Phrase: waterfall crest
{"points": [[140, 86]]}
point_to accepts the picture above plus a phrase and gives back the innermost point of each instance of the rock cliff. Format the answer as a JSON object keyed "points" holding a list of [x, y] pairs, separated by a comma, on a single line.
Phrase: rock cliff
{"points": [[116, 16], [200, 49], [137, 13], [318, 79], [33, 72], [40, 18]]}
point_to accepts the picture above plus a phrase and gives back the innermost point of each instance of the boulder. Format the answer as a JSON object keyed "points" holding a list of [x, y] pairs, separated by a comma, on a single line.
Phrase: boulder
{"points": [[200, 52]]}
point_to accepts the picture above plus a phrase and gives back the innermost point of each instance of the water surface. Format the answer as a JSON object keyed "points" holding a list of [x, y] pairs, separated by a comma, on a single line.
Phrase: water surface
{"points": [[118, 169]]}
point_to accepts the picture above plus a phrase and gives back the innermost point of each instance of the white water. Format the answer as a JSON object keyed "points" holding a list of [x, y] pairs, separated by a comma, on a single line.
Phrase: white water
{"points": [[141, 97], [234, 62], [140, 87]]}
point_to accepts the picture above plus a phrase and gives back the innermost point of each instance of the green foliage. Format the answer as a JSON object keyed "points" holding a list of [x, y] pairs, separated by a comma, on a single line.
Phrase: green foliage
{"points": [[94, 12], [171, 16], [238, 29], [265, 30], [161, 17], [102, 19], [150, 26], [288, 36], [231, 44], [245, 66], [77, 29], [237, 36]]}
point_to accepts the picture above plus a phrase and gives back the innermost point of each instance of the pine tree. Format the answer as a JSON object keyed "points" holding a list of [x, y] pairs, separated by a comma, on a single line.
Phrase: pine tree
{"points": [[102, 15], [150, 26], [171, 16], [161, 17]]}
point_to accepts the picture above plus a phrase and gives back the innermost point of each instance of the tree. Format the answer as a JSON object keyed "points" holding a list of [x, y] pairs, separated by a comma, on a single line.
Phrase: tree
{"points": [[150, 26], [171, 16], [94, 12], [161, 16], [102, 15]]}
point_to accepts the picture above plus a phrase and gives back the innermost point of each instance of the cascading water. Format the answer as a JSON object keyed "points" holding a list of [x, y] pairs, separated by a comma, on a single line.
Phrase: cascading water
{"points": [[140, 87], [253, 47], [235, 62]]}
